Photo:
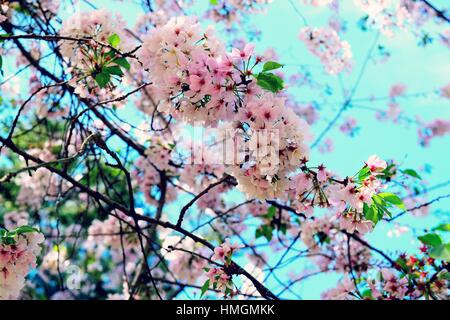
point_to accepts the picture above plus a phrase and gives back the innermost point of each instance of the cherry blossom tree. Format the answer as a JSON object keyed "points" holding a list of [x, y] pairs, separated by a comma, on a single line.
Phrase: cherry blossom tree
{"points": [[170, 156]]}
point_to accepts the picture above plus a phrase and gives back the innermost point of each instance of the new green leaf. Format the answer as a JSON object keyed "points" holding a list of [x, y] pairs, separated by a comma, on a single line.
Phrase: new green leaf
{"points": [[123, 63], [443, 227], [114, 40], [412, 173], [115, 70], [271, 212], [441, 252], [392, 199], [205, 287], [431, 239], [269, 81], [25, 229], [372, 213], [102, 79], [272, 65]]}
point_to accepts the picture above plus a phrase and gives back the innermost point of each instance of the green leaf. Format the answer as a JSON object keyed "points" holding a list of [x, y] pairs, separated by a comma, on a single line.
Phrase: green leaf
{"points": [[271, 212], [213, 2], [364, 173], [381, 206], [265, 231], [442, 227], [272, 65], [367, 294], [123, 63], [431, 239], [412, 173], [9, 241], [402, 263], [372, 213], [322, 237], [114, 40], [258, 233], [444, 275], [25, 229], [111, 54], [3, 36], [441, 252], [115, 70], [269, 81], [283, 228], [379, 201], [393, 199], [102, 79], [205, 287]]}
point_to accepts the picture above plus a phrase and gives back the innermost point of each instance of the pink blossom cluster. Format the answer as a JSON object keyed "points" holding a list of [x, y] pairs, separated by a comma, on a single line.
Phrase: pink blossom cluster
{"points": [[224, 252], [232, 11], [436, 128], [355, 195], [14, 219], [108, 232], [186, 266], [304, 111], [203, 166], [325, 43], [98, 25], [445, 38], [393, 285], [159, 153], [218, 277], [393, 113], [349, 127], [317, 3], [195, 80], [445, 91], [329, 246], [273, 146], [86, 57], [346, 197], [387, 15], [4, 8], [342, 291], [411, 204], [397, 90], [199, 81], [48, 8], [15, 262], [163, 11], [310, 228], [410, 277], [41, 101], [41, 184], [326, 146]]}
